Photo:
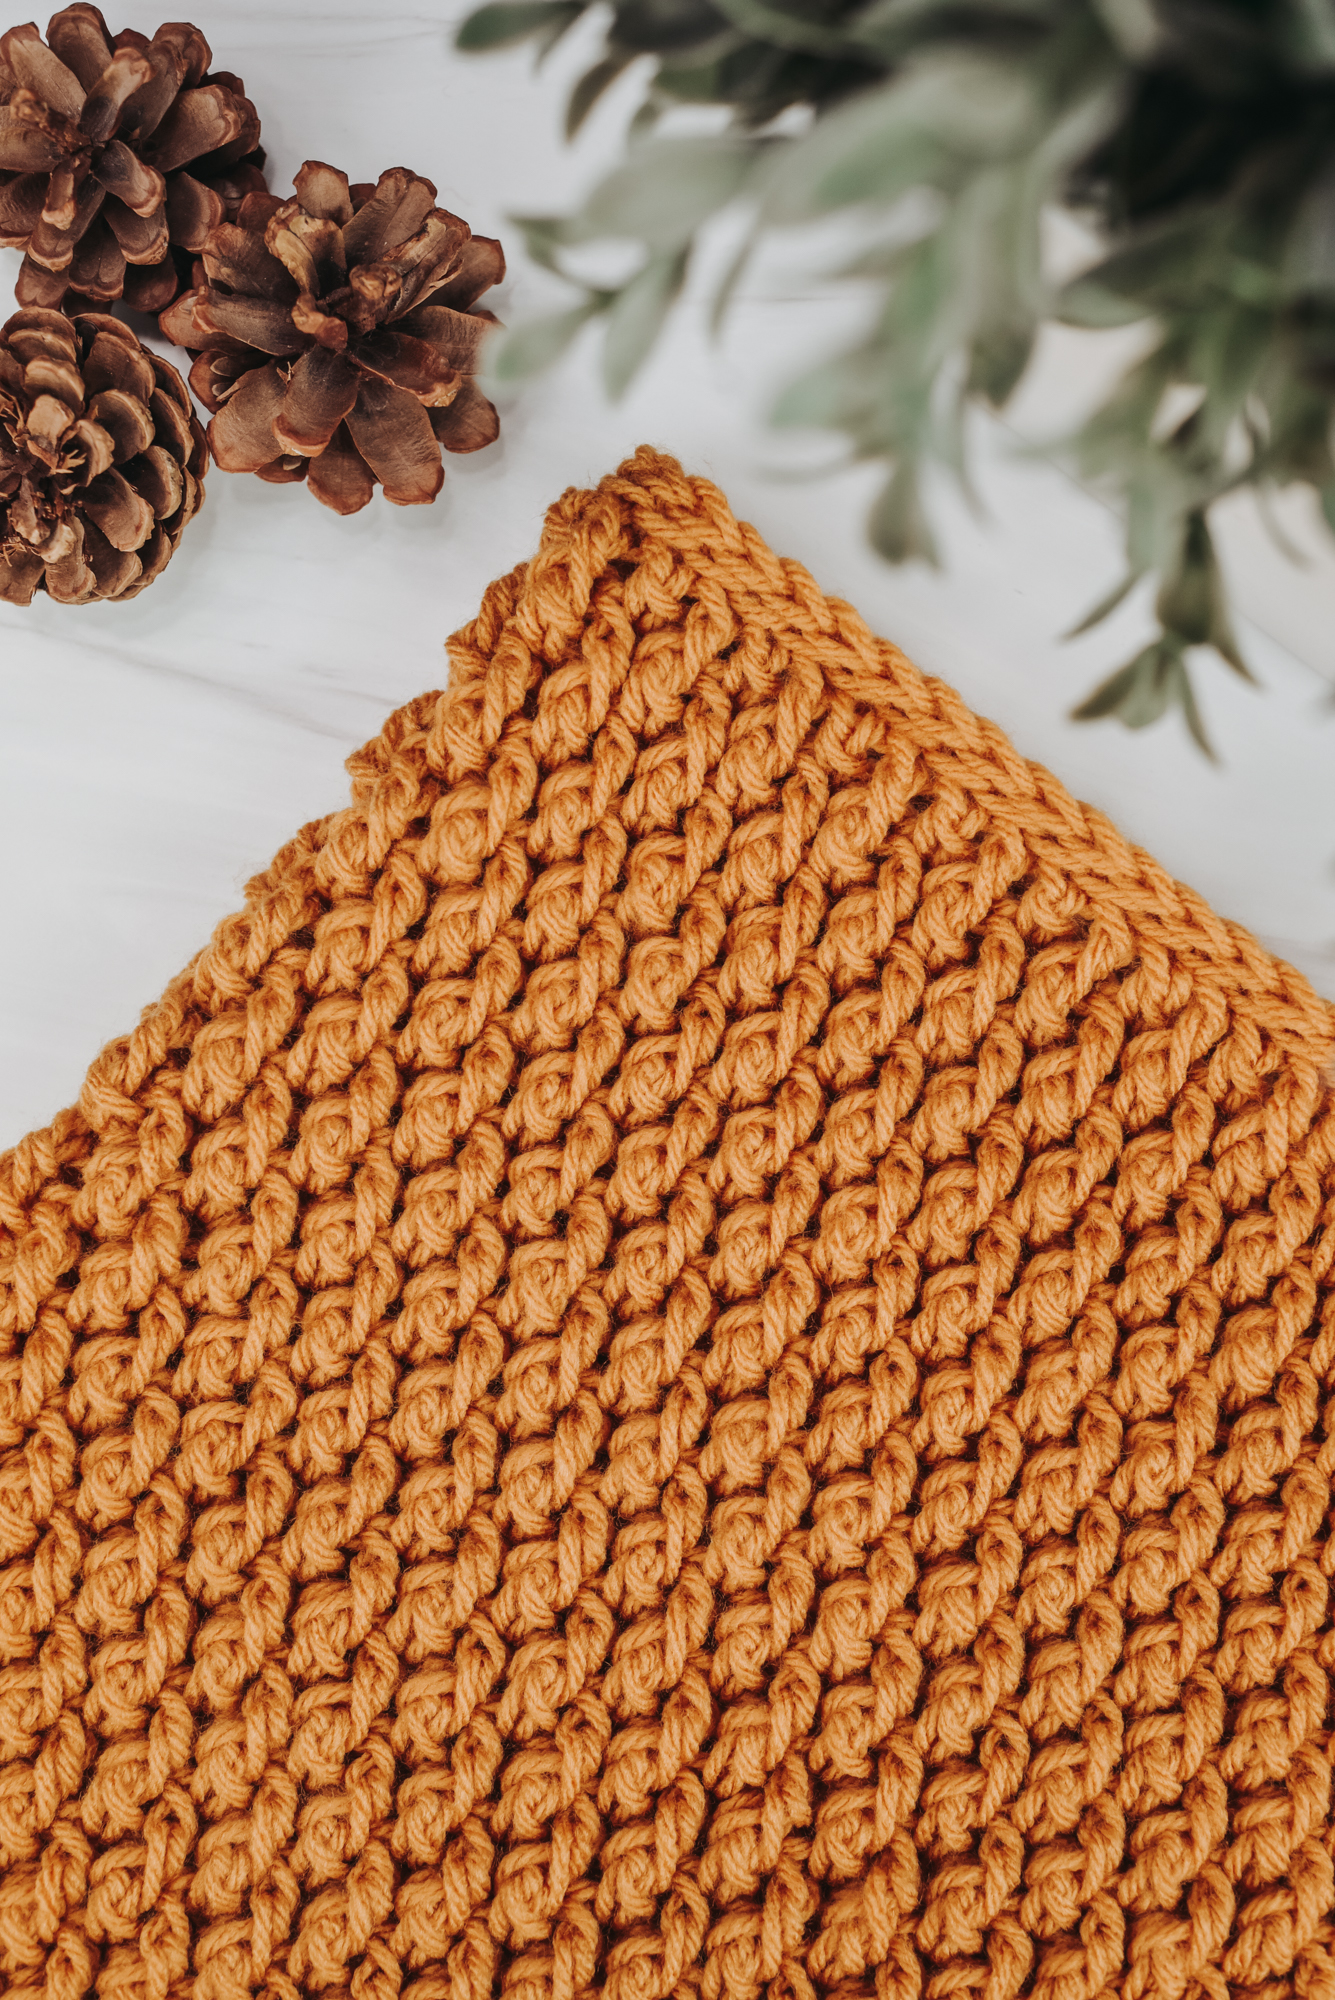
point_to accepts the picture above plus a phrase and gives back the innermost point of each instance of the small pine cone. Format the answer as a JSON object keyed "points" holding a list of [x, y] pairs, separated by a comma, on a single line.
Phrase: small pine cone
{"points": [[335, 337], [114, 155], [102, 459]]}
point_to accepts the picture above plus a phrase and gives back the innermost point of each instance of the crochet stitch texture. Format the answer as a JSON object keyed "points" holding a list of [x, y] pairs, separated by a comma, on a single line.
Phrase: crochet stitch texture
{"points": [[695, 1359]]}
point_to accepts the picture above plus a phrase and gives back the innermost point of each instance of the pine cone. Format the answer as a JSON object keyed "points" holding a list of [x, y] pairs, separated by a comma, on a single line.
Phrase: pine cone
{"points": [[335, 340], [95, 141], [102, 459]]}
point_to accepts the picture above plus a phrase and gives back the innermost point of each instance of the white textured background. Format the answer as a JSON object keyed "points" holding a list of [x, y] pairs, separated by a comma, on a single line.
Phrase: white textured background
{"points": [[153, 755]]}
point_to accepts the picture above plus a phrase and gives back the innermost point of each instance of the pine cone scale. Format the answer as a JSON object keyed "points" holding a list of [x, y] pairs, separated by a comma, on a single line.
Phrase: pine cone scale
{"points": [[20, 209], [98, 266], [324, 194], [310, 316], [241, 435], [332, 287], [320, 392], [97, 445], [101, 460], [40, 70], [54, 374], [481, 265], [340, 477], [122, 173], [159, 480], [48, 419], [113, 365], [52, 243], [259, 323], [397, 209], [469, 423], [313, 252], [125, 420], [127, 73], [200, 122], [24, 147], [392, 285], [192, 211], [236, 258], [175, 421], [409, 364], [141, 239], [393, 433], [60, 205], [146, 107], [456, 336], [125, 519], [77, 35]]}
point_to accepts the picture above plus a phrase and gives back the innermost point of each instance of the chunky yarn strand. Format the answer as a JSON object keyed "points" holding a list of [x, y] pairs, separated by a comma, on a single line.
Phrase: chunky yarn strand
{"points": [[695, 1361]]}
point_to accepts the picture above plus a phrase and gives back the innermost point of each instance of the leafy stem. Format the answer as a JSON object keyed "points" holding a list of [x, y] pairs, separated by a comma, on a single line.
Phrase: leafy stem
{"points": [[1196, 138]]}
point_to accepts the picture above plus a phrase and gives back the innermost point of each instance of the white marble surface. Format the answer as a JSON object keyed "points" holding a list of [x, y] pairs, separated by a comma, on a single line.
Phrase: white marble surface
{"points": [[153, 755]]}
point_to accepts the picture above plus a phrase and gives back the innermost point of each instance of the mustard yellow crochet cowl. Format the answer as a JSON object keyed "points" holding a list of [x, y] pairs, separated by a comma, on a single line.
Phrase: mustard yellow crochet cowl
{"points": [[695, 1359]]}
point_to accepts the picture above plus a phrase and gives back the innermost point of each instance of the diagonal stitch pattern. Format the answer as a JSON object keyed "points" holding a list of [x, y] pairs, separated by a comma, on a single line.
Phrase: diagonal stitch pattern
{"points": [[695, 1359]]}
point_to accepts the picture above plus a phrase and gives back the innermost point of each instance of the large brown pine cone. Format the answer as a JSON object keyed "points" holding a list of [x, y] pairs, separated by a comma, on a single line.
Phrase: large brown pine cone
{"points": [[114, 152], [335, 339], [102, 459]]}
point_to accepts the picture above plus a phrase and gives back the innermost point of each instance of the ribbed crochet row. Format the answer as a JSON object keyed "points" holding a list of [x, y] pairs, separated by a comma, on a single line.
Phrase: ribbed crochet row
{"points": [[695, 1359]]}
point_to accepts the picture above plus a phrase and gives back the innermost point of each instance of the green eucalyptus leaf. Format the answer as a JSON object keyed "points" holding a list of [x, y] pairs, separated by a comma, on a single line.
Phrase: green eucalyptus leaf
{"points": [[1254, 283], [1105, 606], [1143, 691], [1132, 24], [1160, 269], [867, 150], [636, 320], [937, 431], [1312, 35], [732, 277], [1085, 302], [895, 28], [997, 361], [538, 344], [1125, 685], [700, 81], [923, 324], [1186, 698], [504, 22], [1193, 604], [1155, 500], [1226, 355], [883, 261], [645, 120], [667, 189], [834, 396], [983, 105], [1140, 692], [922, 129], [1297, 445], [1309, 253], [784, 30], [1189, 590], [1225, 643], [591, 87], [544, 236], [899, 525]]}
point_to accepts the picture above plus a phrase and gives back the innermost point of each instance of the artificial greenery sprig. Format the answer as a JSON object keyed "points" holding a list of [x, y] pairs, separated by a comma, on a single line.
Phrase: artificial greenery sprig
{"points": [[1197, 137]]}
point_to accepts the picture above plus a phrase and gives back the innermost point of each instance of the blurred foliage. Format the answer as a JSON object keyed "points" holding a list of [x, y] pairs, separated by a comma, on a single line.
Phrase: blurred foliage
{"points": [[1195, 137]]}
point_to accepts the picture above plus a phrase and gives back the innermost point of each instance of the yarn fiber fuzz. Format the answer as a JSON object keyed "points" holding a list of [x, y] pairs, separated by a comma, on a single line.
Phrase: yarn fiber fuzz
{"points": [[695, 1359]]}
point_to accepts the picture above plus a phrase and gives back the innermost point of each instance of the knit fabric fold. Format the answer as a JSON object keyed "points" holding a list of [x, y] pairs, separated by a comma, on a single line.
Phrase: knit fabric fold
{"points": [[692, 1362]]}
